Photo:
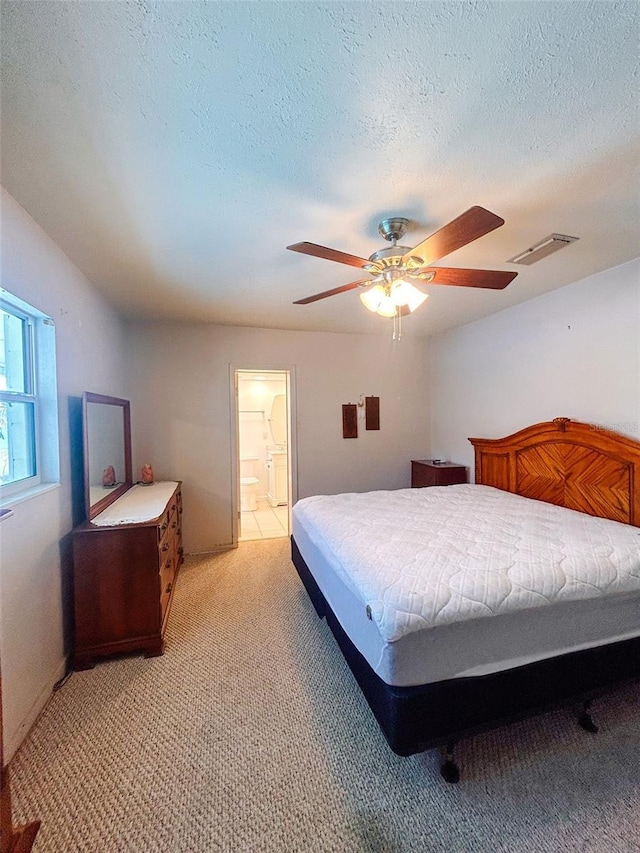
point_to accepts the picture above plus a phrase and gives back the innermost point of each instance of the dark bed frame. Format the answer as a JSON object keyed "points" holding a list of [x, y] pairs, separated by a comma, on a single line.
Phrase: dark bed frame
{"points": [[566, 463]]}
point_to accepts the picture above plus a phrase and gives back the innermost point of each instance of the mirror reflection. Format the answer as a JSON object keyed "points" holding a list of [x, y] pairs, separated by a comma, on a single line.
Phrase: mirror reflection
{"points": [[107, 450], [105, 427]]}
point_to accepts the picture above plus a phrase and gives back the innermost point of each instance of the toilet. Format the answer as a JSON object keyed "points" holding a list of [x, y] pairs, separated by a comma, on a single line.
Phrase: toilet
{"points": [[248, 483]]}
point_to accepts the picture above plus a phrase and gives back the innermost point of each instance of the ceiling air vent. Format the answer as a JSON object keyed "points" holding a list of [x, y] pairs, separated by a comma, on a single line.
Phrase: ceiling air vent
{"points": [[545, 247]]}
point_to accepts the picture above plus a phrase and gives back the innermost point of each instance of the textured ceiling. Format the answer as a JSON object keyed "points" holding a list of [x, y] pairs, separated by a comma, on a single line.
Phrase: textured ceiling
{"points": [[173, 149]]}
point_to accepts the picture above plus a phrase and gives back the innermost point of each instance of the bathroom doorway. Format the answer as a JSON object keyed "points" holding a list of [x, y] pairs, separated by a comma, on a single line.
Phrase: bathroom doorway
{"points": [[263, 442]]}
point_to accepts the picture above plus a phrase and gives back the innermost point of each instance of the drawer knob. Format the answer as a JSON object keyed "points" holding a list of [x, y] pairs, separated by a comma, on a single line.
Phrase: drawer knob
{"points": [[168, 589], [165, 547]]}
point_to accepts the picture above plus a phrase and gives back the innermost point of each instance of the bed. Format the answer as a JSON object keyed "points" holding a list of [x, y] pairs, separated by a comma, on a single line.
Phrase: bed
{"points": [[460, 608]]}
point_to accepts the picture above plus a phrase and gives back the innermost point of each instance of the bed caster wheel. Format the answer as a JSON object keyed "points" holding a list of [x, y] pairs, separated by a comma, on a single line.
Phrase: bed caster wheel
{"points": [[450, 772], [585, 721]]}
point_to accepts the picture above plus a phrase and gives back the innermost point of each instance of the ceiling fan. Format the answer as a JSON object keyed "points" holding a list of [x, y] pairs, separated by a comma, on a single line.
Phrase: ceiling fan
{"points": [[394, 268]]}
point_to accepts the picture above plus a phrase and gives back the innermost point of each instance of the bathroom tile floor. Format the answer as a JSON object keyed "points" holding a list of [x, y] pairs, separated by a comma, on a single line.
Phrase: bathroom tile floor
{"points": [[266, 522]]}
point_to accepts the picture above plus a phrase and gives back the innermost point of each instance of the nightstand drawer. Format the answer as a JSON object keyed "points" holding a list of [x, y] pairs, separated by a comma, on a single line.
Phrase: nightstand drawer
{"points": [[426, 472]]}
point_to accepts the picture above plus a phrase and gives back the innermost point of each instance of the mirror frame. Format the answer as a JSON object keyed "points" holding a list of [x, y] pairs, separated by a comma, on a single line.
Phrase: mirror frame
{"points": [[90, 397]]}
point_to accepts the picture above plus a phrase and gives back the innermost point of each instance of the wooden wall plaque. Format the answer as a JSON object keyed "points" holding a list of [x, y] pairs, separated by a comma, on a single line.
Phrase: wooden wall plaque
{"points": [[349, 420], [372, 412]]}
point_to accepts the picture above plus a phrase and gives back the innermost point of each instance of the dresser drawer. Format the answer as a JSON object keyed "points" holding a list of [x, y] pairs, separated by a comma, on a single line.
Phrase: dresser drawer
{"points": [[165, 547], [167, 579], [171, 513]]}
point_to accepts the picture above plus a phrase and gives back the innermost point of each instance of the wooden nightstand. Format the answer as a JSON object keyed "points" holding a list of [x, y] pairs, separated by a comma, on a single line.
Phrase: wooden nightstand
{"points": [[426, 472]]}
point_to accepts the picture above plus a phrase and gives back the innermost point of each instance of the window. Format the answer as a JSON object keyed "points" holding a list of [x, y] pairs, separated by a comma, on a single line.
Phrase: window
{"points": [[27, 387]]}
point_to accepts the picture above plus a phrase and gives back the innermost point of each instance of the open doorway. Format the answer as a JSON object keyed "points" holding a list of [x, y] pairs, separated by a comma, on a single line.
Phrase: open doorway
{"points": [[263, 465]]}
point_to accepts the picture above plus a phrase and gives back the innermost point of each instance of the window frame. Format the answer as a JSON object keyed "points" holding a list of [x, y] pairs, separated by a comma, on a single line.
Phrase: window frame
{"points": [[31, 318]]}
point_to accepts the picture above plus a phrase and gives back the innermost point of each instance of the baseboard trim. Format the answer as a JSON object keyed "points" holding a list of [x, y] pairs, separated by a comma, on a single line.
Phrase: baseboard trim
{"points": [[214, 549], [13, 740]]}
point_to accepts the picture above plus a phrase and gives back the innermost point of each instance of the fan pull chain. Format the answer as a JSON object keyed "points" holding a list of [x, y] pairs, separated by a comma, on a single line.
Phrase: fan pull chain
{"points": [[397, 325]]}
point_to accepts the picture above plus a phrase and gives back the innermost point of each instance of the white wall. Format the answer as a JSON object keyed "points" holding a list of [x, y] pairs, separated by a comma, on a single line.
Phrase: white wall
{"points": [[34, 572], [574, 352], [182, 411]]}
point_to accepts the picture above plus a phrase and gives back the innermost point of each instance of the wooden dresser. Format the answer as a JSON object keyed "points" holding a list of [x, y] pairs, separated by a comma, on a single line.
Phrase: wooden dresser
{"points": [[426, 472], [124, 578]]}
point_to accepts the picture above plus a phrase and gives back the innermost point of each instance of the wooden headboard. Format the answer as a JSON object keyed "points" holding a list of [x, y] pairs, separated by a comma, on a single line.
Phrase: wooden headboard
{"points": [[563, 462]]}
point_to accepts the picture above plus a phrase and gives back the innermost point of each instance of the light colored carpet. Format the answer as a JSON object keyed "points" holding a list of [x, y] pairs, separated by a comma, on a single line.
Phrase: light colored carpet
{"points": [[250, 734]]}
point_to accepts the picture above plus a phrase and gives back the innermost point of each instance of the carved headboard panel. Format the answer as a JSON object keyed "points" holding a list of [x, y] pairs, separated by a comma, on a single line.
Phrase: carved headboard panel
{"points": [[563, 462]]}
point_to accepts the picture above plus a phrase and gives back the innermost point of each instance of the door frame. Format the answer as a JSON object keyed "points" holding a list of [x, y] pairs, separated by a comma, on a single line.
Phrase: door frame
{"points": [[292, 444]]}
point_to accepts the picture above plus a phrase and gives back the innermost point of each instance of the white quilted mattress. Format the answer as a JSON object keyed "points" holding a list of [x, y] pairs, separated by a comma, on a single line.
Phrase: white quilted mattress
{"points": [[415, 560]]}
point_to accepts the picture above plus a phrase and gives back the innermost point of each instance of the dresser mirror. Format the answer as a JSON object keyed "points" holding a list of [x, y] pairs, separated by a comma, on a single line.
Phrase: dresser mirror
{"points": [[106, 433]]}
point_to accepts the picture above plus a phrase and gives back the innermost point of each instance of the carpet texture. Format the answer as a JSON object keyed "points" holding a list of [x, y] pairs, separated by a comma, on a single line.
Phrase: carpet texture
{"points": [[250, 734]]}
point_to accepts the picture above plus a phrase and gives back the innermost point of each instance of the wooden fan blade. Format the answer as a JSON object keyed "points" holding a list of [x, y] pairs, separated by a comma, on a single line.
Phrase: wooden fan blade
{"points": [[491, 279], [473, 223], [331, 255], [333, 292]]}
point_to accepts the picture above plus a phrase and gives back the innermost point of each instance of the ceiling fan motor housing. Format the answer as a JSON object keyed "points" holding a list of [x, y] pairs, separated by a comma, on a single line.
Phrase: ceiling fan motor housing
{"points": [[392, 255], [393, 228]]}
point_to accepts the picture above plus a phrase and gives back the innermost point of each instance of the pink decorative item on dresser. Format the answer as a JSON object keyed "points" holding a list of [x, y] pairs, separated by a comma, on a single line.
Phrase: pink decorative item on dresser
{"points": [[109, 476], [146, 475]]}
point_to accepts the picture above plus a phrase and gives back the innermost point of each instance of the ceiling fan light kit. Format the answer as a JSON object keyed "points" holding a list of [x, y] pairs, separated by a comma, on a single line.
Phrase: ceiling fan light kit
{"points": [[391, 292], [404, 293], [385, 299]]}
